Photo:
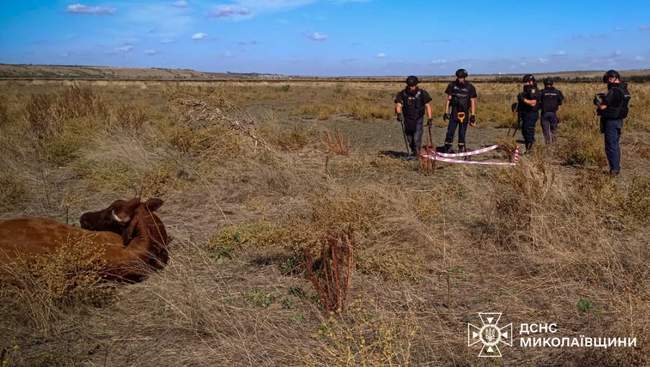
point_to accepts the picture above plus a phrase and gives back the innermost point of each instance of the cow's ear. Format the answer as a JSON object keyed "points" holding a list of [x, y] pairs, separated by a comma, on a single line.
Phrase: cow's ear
{"points": [[153, 204]]}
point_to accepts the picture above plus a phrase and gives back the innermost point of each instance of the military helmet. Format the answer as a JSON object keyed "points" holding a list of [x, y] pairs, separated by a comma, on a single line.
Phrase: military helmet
{"points": [[611, 74], [412, 81], [528, 78], [548, 81], [461, 73]]}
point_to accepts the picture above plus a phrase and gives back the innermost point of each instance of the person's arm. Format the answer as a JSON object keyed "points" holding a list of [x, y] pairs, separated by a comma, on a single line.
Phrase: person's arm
{"points": [[530, 102], [429, 110], [473, 107], [398, 108]]}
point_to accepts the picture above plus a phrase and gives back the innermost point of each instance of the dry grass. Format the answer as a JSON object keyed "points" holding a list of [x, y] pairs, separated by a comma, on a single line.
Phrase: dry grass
{"points": [[240, 167]]}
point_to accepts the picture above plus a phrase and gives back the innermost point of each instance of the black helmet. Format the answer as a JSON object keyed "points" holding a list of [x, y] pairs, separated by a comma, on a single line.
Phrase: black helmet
{"points": [[461, 73], [611, 74], [412, 81], [548, 81], [528, 78]]}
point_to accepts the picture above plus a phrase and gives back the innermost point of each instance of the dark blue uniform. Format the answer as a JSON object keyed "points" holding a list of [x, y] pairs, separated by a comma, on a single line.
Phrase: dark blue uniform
{"points": [[461, 96], [413, 104], [550, 100], [528, 114], [611, 122]]}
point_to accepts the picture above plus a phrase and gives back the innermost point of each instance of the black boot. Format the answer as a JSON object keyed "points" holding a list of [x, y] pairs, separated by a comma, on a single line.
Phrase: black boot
{"points": [[462, 149], [444, 149]]}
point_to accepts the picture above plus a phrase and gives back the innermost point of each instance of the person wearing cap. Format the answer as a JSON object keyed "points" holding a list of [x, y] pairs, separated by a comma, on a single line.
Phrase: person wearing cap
{"points": [[460, 110], [410, 106], [528, 108], [550, 100], [612, 107]]}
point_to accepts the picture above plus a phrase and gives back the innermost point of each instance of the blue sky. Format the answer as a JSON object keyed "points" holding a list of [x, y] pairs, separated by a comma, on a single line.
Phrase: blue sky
{"points": [[330, 37]]}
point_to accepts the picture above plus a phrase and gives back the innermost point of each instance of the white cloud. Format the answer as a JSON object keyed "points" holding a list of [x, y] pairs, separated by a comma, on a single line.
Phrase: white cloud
{"points": [[231, 11], [639, 58], [542, 60], [123, 49], [317, 36], [246, 9], [559, 53], [180, 4], [199, 36], [439, 61], [91, 10], [381, 55], [167, 40], [150, 52]]}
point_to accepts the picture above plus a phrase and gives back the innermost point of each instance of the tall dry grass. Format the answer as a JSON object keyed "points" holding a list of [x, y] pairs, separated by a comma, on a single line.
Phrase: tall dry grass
{"points": [[241, 173]]}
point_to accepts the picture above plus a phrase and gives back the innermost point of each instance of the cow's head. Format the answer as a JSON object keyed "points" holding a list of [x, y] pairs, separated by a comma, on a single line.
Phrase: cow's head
{"points": [[115, 218]]}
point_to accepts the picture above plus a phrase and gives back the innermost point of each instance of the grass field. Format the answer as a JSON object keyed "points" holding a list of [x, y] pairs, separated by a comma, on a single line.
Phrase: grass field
{"points": [[254, 174]]}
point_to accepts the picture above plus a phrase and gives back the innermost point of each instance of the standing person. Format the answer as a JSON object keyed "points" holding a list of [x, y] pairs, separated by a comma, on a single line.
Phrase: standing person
{"points": [[461, 99], [613, 109], [528, 107], [410, 106], [550, 100]]}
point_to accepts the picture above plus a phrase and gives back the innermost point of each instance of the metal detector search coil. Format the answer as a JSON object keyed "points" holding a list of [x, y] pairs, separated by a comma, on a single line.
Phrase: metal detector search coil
{"points": [[461, 117]]}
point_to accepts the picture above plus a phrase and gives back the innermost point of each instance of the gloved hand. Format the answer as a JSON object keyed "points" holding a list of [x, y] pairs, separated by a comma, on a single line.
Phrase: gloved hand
{"points": [[472, 120], [399, 117], [445, 117], [429, 122]]}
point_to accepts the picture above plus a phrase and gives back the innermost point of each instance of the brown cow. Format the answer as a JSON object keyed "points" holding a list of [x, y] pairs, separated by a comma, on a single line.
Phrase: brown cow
{"points": [[146, 251], [115, 218]]}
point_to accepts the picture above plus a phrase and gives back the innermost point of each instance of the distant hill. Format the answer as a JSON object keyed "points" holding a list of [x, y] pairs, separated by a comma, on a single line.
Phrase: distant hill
{"points": [[112, 73], [10, 71]]}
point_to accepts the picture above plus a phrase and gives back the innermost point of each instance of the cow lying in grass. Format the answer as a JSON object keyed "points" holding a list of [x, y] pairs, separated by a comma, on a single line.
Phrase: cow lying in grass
{"points": [[130, 244]]}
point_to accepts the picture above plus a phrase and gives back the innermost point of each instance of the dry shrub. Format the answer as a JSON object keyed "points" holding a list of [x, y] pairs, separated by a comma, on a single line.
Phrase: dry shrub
{"points": [[293, 139], [38, 115], [332, 278], [336, 143], [212, 143], [13, 190], [359, 209], [582, 147], [317, 111], [131, 117], [46, 113], [522, 196], [370, 111], [366, 338], [256, 235], [42, 288], [62, 148], [637, 203], [574, 229]]}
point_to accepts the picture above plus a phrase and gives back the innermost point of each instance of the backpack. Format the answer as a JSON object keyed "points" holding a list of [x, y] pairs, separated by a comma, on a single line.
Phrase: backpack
{"points": [[413, 104], [623, 109], [460, 98], [620, 111]]}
